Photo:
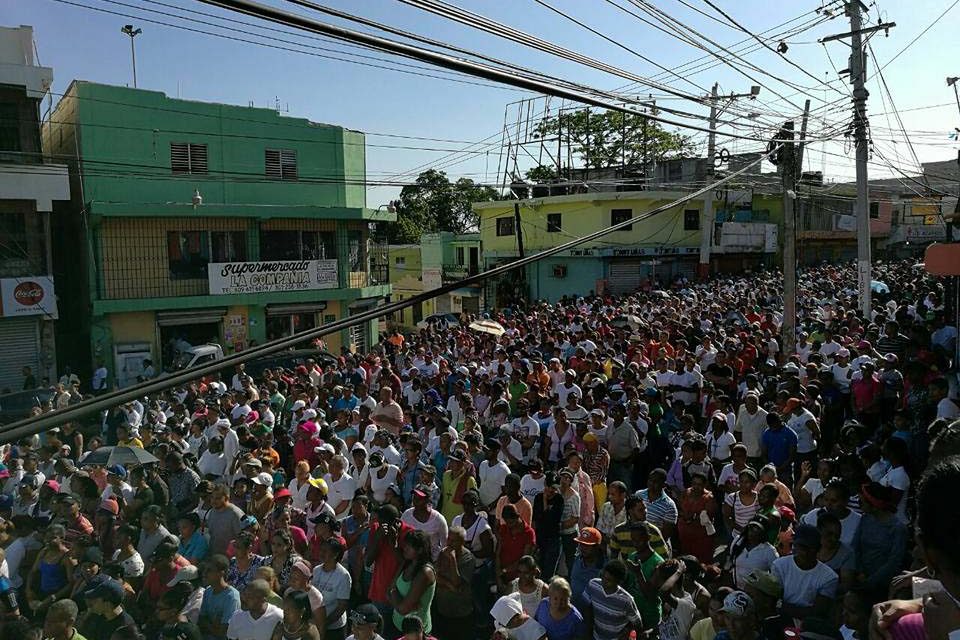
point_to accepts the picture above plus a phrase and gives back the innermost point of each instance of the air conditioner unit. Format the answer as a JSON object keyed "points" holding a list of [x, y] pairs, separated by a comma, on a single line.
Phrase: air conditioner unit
{"points": [[559, 271]]}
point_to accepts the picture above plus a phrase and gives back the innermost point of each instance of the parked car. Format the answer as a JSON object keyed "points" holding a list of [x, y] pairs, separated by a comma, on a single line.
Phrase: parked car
{"points": [[290, 360], [18, 405], [440, 320]]}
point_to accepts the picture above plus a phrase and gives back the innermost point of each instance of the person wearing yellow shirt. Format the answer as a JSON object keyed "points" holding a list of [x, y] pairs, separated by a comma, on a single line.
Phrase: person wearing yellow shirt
{"points": [[709, 627], [456, 480], [126, 439]]}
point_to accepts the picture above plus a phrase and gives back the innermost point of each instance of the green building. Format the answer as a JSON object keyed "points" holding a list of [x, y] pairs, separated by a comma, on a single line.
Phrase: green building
{"points": [[202, 222]]}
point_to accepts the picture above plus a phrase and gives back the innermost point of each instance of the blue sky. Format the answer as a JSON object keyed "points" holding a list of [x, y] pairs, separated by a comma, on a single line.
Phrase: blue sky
{"points": [[82, 43]]}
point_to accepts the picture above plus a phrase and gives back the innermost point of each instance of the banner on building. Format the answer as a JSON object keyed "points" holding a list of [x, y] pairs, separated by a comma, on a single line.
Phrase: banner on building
{"points": [[28, 296], [273, 275]]}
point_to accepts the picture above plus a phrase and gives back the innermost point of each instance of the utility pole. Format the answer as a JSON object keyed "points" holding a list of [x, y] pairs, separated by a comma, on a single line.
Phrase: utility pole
{"points": [[858, 79], [133, 33], [521, 283], [792, 169], [706, 217]]}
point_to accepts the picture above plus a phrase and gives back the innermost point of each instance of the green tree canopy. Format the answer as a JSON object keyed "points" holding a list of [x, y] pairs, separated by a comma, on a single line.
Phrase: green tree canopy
{"points": [[435, 204], [611, 138]]}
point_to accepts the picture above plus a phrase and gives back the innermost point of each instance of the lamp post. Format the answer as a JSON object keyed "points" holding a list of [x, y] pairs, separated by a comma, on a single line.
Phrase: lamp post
{"points": [[128, 29]]}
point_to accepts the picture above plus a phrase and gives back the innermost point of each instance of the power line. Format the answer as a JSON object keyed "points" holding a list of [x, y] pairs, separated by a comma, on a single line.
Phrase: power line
{"points": [[918, 36], [27, 427]]}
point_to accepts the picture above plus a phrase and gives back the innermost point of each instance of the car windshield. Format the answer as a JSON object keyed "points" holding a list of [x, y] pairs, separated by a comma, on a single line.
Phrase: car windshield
{"points": [[182, 360]]}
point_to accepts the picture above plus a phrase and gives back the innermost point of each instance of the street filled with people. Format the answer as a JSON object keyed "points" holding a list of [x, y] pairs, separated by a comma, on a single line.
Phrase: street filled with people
{"points": [[651, 465]]}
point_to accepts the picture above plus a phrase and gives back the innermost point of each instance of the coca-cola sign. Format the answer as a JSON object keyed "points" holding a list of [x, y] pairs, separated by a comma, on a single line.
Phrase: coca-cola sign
{"points": [[28, 296], [28, 293]]}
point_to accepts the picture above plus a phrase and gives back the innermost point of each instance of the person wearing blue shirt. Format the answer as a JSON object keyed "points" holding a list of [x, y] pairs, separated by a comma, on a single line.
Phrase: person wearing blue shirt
{"points": [[347, 402], [587, 564], [194, 546], [220, 600], [778, 444]]}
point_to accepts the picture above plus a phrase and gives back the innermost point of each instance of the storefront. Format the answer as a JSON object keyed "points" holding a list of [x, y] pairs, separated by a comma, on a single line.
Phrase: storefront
{"points": [[288, 319], [193, 327], [28, 308]]}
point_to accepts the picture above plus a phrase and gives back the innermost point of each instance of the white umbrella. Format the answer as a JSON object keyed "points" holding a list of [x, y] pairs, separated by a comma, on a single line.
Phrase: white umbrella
{"points": [[628, 321], [492, 327]]}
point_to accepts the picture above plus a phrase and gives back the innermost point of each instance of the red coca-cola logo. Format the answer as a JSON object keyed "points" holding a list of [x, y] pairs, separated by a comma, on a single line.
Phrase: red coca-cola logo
{"points": [[28, 293]]}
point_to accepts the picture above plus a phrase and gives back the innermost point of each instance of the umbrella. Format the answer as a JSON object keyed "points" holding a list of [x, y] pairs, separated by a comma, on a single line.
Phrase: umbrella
{"points": [[628, 321], [879, 287], [126, 456], [492, 327]]}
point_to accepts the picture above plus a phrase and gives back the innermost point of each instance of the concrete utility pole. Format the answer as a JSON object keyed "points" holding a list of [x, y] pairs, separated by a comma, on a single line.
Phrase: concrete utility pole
{"points": [[791, 170], [858, 78], [706, 216]]}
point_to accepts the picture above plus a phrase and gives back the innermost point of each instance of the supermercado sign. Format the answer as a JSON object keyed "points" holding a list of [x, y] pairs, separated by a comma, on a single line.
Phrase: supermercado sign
{"points": [[278, 275]]}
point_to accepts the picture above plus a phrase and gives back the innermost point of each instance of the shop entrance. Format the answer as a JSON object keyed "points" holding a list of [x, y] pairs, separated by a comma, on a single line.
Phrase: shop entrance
{"points": [[287, 325], [173, 336]]}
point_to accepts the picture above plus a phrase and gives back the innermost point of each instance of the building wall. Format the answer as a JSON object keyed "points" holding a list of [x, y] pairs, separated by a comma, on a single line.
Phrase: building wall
{"points": [[581, 277], [583, 214], [132, 129]]}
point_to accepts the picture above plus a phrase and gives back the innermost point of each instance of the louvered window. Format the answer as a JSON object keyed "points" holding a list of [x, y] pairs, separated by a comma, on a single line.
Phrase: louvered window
{"points": [[187, 157], [281, 164]]}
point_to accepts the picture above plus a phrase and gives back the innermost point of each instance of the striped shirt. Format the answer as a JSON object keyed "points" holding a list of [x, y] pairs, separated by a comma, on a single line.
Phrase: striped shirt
{"points": [[621, 545], [661, 511], [893, 344], [612, 612]]}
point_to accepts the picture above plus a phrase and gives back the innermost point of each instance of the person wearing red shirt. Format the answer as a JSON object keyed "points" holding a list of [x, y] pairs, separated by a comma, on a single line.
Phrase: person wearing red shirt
{"points": [[164, 564], [516, 539], [383, 555]]}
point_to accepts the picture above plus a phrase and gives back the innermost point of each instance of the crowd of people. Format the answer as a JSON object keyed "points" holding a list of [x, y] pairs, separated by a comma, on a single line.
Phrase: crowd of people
{"points": [[653, 465]]}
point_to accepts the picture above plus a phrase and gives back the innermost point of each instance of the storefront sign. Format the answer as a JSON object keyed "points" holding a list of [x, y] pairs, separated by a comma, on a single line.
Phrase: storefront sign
{"points": [[279, 275], [28, 296]]}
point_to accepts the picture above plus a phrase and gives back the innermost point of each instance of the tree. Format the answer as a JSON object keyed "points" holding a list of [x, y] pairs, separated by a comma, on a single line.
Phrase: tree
{"points": [[612, 138], [435, 204]]}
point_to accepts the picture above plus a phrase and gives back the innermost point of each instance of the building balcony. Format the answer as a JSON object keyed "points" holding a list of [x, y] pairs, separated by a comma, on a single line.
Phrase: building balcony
{"points": [[219, 210], [41, 183]]}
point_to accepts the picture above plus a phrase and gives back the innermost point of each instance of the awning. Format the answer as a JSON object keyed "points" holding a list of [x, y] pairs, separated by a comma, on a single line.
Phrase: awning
{"points": [[287, 309], [196, 316]]}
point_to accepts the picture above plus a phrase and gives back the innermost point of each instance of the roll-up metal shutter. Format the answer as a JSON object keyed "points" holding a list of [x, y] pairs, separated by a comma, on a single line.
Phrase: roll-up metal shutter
{"points": [[20, 340], [625, 276]]}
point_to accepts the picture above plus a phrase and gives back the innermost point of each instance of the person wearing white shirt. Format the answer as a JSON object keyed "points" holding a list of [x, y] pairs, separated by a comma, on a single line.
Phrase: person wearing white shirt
{"points": [[423, 517], [511, 451], [258, 619], [750, 424], [341, 488], [492, 473]]}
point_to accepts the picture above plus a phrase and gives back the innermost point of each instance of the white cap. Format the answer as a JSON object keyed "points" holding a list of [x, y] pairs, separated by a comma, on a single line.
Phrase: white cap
{"points": [[263, 479], [505, 609], [326, 446], [308, 414], [184, 574], [299, 404], [358, 446]]}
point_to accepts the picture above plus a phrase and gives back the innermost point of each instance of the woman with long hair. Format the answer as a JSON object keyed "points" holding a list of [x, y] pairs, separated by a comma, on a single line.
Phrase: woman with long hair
{"points": [[740, 507], [297, 623], [282, 557], [244, 563], [413, 590]]}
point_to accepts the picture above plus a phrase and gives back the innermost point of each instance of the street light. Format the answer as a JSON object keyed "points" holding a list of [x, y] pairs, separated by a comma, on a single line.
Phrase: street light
{"points": [[128, 29]]}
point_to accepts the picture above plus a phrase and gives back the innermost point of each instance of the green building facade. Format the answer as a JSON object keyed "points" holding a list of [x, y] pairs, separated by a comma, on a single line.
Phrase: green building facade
{"points": [[203, 222]]}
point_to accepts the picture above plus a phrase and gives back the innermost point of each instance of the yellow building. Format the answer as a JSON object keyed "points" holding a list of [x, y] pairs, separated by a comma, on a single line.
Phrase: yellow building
{"points": [[657, 249]]}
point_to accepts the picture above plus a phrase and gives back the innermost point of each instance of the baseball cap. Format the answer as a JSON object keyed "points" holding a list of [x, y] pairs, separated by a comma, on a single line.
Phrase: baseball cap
{"points": [[110, 506], [421, 491], [52, 484], [302, 566], [765, 582], [589, 536], [365, 614], [806, 535], [738, 604], [253, 462], [184, 574], [282, 493], [117, 470], [318, 483], [791, 404], [263, 479], [109, 590], [504, 610], [325, 447]]}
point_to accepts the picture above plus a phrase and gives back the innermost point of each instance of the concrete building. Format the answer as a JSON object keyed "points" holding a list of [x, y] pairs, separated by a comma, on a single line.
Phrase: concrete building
{"points": [[439, 258], [650, 251], [30, 185], [207, 223]]}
